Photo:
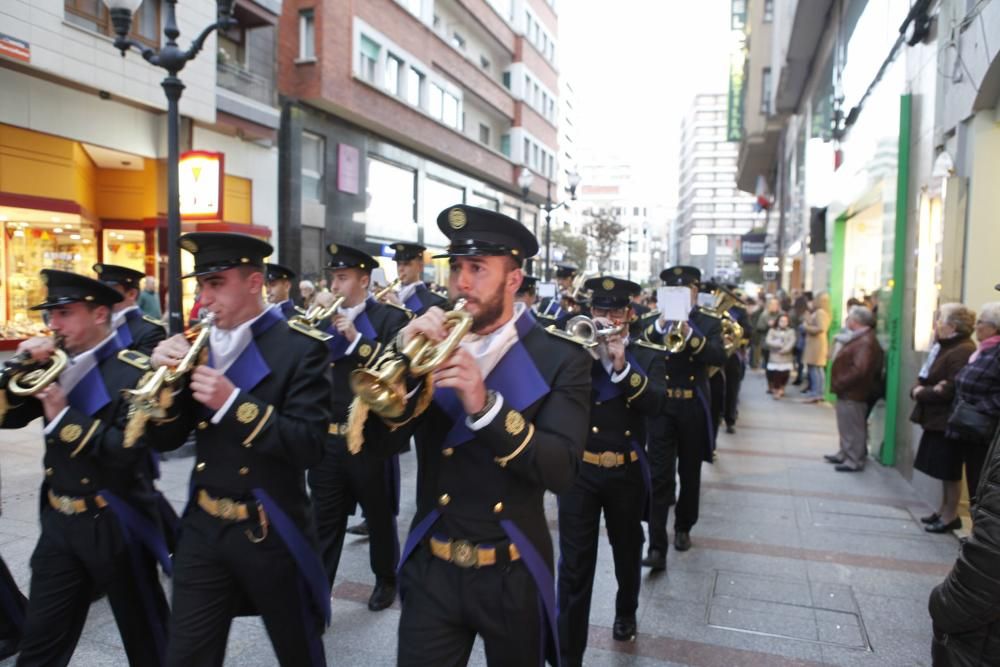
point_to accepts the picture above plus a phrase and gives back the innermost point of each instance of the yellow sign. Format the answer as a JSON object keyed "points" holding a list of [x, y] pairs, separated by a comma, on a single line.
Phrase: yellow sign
{"points": [[200, 174]]}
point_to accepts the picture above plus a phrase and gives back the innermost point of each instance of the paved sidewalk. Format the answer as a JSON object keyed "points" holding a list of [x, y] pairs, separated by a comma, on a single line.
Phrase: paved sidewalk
{"points": [[793, 564]]}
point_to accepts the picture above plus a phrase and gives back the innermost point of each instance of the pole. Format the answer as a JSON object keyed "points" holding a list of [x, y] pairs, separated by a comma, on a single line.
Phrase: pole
{"points": [[548, 230], [780, 200], [175, 317], [629, 255]]}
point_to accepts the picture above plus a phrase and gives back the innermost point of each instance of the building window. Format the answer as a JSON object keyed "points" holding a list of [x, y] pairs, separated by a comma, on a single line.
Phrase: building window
{"points": [[393, 82], [457, 41], [313, 152], [484, 134], [484, 62], [391, 202], [506, 80], [307, 34], [505, 144], [449, 112], [768, 11], [369, 56], [93, 15], [765, 91], [527, 151], [414, 86], [435, 101]]}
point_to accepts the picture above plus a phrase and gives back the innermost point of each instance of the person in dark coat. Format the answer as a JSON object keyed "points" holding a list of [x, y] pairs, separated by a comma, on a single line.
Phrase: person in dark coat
{"points": [[938, 456], [413, 293], [505, 419], [100, 524], [259, 409], [626, 387], [136, 330], [279, 288]]}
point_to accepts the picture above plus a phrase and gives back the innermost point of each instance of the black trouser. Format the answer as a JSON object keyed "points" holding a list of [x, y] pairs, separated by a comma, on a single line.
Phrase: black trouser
{"points": [[338, 484], [621, 494], [734, 380], [218, 573], [75, 556], [681, 448], [13, 605], [717, 397], [446, 606]]}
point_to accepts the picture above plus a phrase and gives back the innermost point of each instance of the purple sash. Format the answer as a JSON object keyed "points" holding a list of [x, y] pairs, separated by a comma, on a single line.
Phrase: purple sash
{"points": [[700, 395], [602, 387], [540, 572], [515, 377], [90, 394], [250, 368], [287, 308], [413, 302]]}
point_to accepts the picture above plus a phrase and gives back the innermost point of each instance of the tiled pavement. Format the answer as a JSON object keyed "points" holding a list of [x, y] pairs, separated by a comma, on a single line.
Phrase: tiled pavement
{"points": [[793, 564]]}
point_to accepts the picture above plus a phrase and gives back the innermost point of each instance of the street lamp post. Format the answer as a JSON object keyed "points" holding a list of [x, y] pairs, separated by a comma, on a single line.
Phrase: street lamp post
{"points": [[173, 59], [524, 180]]}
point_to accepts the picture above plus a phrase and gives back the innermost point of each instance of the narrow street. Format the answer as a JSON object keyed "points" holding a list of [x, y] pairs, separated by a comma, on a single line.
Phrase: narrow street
{"points": [[793, 564]]}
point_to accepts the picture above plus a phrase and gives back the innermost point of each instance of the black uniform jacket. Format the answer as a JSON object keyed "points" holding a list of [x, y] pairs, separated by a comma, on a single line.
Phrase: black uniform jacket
{"points": [[618, 410], [740, 316], [422, 298], [478, 479], [687, 371], [85, 452], [140, 332], [377, 325], [271, 433]]}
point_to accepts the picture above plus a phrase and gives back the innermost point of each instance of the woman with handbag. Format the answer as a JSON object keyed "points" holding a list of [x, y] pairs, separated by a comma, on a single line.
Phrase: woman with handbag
{"points": [[938, 456], [976, 409]]}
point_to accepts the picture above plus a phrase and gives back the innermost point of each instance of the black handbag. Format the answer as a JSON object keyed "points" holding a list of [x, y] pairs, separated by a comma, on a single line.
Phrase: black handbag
{"points": [[970, 424]]}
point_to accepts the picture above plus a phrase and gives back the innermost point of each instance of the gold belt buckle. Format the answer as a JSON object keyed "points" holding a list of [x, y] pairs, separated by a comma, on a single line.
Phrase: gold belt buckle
{"points": [[227, 508], [609, 460], [463, 554], [66, 505]]}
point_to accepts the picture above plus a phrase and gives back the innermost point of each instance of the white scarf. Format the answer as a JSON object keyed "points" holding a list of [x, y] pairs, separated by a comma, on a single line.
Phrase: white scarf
{"points": [[228, 344], [352, 312], [80, 365], [406, 291], [118, 319], [488, 350]]}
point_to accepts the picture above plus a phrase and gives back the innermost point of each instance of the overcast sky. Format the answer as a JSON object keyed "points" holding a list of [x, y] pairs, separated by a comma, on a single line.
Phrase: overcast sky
{"points": [[635, 66]]}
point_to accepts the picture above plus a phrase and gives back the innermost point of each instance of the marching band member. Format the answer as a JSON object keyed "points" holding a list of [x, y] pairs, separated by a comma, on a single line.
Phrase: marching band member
{"points": [[527, 293], [100, 526], [358, 333], [552, 306], [736, 362], [278, 282], [693, 347], [413, 293], [259, 411], [135, 330], [506, 422], [626, 388]]}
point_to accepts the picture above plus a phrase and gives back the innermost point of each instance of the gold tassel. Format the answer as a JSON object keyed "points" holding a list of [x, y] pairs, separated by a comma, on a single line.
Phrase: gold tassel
{"points": [[356, 418], [3, 404], [135, 427]]}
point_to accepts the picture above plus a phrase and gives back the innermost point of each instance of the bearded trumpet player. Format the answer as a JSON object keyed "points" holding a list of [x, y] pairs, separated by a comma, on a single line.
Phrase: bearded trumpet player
{"points": [[693, 347], [626, 388], [100, 527], [259, 411], [356, 335], [502, 419]]}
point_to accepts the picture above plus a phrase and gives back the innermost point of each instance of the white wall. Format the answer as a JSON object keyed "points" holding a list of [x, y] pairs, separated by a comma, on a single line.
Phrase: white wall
{"points": [[86, 58]]}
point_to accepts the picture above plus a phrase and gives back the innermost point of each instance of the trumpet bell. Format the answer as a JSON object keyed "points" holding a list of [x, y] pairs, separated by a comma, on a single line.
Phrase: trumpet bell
{"points": [[30, 381], [382, 391]]}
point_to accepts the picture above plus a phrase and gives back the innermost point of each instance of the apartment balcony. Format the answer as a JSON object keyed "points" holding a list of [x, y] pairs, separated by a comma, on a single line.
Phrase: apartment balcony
{"points": [[243, 82]]}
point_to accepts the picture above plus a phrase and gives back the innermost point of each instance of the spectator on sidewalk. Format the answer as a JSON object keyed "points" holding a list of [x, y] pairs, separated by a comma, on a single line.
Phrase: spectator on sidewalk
{"points": [[149, 300], [814, 355], [780, 343], [797, 316], [964, 606], [853, 378], [938, 456], [307, 289], [766, 318]]}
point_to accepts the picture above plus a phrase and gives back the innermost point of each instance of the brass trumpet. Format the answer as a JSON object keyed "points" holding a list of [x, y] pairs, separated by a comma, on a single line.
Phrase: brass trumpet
{"points": [[384, 292], [382, 388], [24, 377], [155, 394], [316, 314], [732, 332], [583, 331], [676, 338]]}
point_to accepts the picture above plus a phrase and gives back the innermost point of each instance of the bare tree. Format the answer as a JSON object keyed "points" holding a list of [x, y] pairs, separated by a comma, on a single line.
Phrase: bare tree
{"points": [[604, 230], [574, 247]]}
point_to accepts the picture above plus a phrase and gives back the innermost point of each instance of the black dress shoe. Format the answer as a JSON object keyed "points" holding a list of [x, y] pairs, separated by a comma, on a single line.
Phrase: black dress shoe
{"points": [[730, 429], [682, 540], [843, 467], [383, 595], [832, 458], [938, 527], [656, 560], [9, 647], [359, 529], [933, 518], [624, 629]]}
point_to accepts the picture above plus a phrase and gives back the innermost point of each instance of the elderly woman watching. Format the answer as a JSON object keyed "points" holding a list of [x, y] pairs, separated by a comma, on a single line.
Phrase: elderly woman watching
{"points": [[938, 456], [308, 290]]}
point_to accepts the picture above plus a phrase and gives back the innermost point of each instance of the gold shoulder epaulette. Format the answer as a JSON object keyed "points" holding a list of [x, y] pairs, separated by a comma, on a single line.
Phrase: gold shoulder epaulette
{"points": [[409, 313], [648, 314], [135, 358], [153, 320], [709, 312], [653, 346], [319, 335]]}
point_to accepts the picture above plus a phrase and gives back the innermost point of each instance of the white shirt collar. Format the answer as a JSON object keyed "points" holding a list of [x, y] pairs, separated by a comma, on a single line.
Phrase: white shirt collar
{"points": [[352, 312], [118, 319], [406, 291], [228, 344], [488, 350], [80, 365]]}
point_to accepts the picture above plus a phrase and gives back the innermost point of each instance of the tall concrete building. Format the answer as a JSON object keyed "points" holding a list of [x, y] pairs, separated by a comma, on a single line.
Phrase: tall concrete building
{"points": [[712, 214], [396, 109]]}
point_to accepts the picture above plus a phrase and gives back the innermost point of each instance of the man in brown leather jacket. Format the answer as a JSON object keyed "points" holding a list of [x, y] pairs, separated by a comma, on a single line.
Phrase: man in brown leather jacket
{"points": [[854, 377]]}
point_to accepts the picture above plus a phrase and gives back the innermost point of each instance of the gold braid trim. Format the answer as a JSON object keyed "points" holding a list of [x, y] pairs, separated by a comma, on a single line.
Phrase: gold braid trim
{"points": [[356, 417]]}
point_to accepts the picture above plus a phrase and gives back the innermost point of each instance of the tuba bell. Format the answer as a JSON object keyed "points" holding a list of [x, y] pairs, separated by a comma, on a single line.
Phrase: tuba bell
{"points": [[382, 388], [732, 332]]}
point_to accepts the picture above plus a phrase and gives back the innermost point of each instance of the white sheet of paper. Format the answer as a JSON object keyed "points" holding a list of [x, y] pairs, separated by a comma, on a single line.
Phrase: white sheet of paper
{"points": [[674, 303], [546, 289], [705, 299]]}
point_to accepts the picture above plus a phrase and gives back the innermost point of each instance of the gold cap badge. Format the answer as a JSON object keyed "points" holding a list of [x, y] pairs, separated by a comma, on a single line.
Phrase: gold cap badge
{"points": [[333, 249], [678, 270], [608, 284], [189, 245], [456, 218]]}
